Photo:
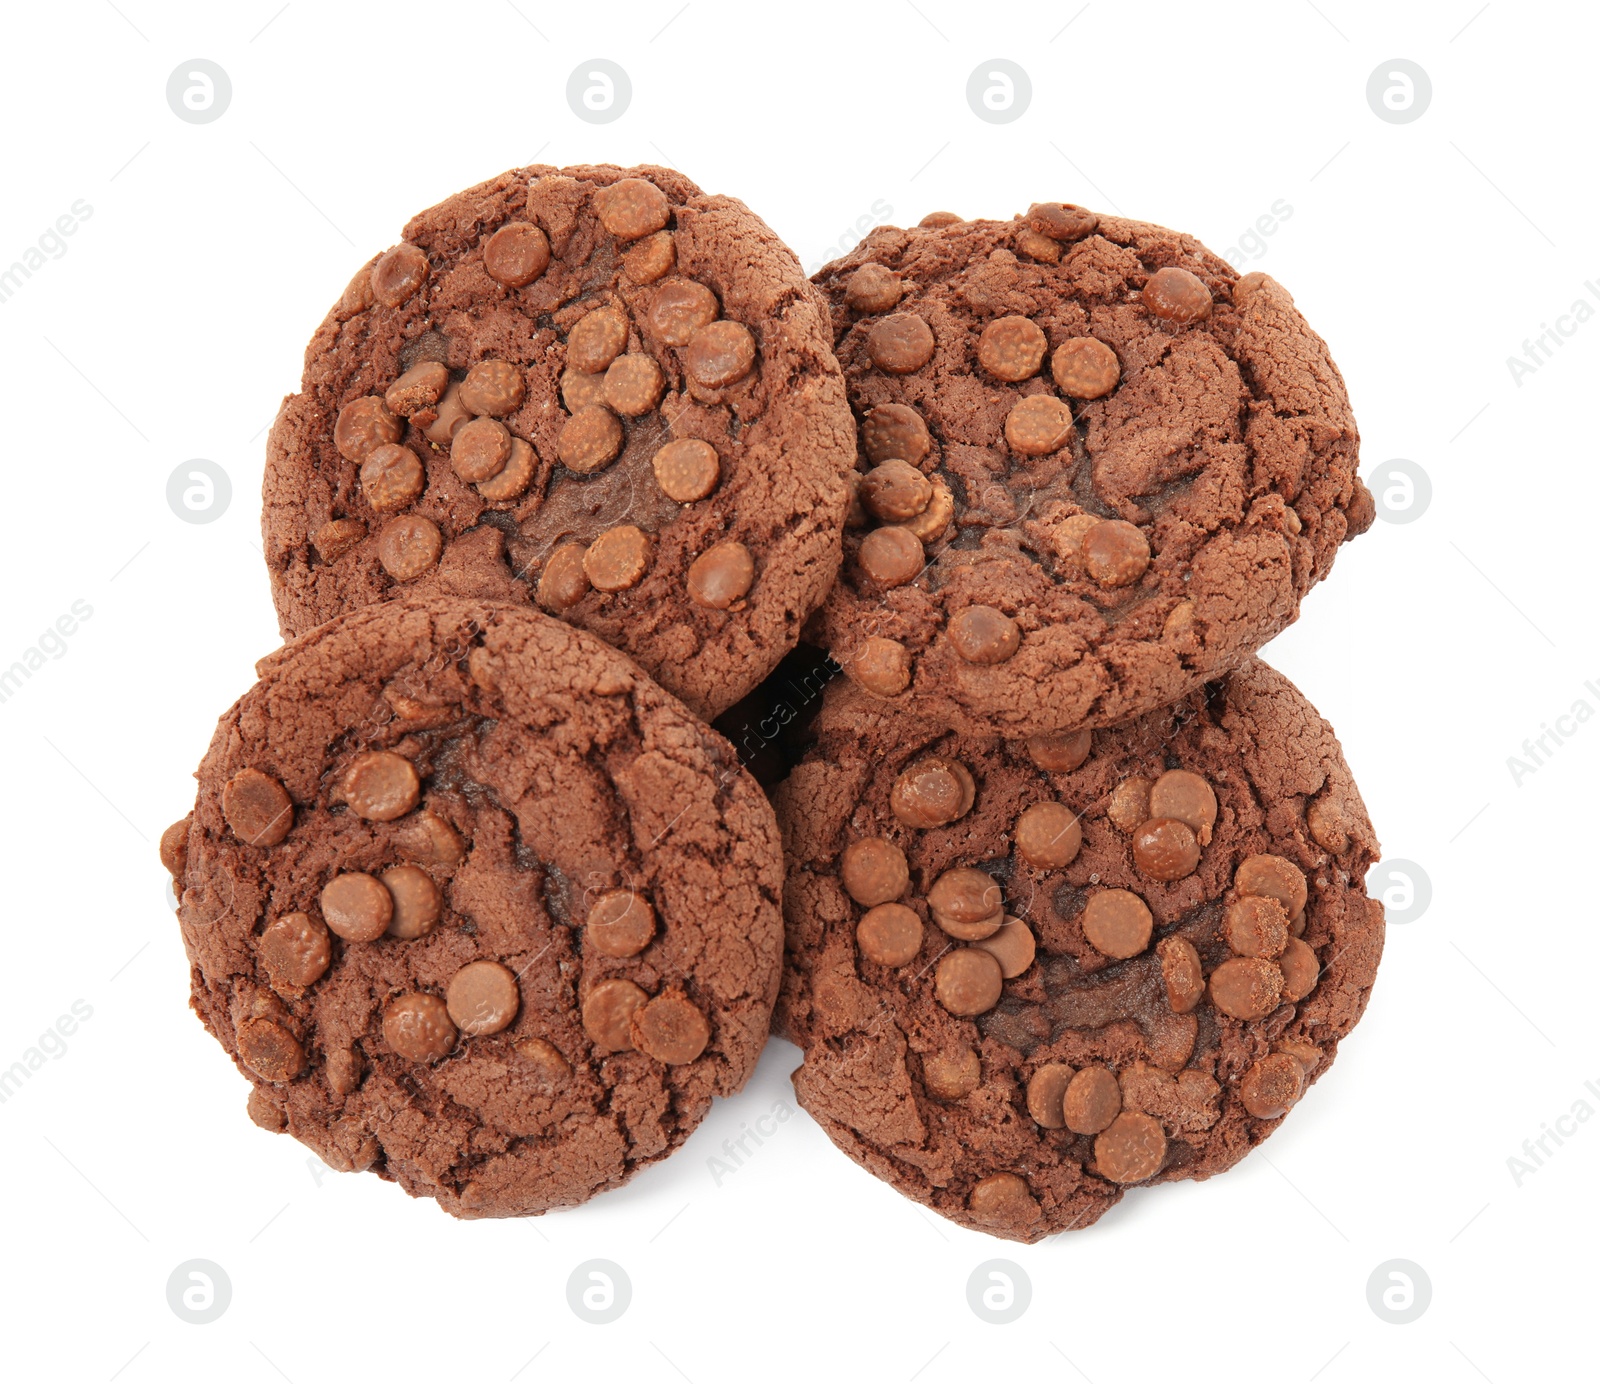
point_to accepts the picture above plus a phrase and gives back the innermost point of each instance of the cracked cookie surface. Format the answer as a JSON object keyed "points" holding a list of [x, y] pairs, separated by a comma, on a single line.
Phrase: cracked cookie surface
{"points": [[1095, 468], [476, 906], [1029, 974], [599, 390]]}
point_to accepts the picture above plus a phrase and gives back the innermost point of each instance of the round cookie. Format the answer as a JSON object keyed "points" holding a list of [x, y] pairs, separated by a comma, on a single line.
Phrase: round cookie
{"points": [[1019, 990], [1095, 468], [597, 390], [476, 906]]}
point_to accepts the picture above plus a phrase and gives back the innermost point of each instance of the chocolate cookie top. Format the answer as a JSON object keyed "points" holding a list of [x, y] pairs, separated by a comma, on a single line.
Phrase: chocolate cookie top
{"points": [[1028, 974], [477, 906], [1095, 468], [594, 388]]}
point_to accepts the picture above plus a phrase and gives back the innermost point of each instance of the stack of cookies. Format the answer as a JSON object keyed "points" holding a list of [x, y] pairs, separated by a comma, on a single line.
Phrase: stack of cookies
{"points": [[679, 651]]}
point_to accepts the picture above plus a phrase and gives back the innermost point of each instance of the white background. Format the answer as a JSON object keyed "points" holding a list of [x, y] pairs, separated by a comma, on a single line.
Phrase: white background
{"points": [[1426, 253]]}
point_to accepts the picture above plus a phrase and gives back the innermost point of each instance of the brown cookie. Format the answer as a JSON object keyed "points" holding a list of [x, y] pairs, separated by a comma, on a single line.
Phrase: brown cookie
{"points": [[1027, 974], [1095, 468], [476, 906], [596, 390]]}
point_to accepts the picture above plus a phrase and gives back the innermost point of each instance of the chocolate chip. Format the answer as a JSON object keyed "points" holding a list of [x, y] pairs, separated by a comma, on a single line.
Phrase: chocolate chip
{"points": [[419, 387], [1185, 982], [398, 274], [356, 906], [951, 1075], [596, 339], [1046, 1089], [930, 525], [1091, 1101], [448, 418], [337, 537], [1132, 1149], [1061, 753], [895, 432], [516, 254], [1038, 247], [580, 390], [363, 424], [1165, 850], [1038, 425], [408, 546], [608, 1014], [679, 308], [687, 470], [1246, 987], [428, 837], [1272, 877], [1013, 946], [417, 901], [891, 556], [493, 387], [882, 666], [265, 1112], [671, 1029], [1117, 923], [872, 288], [968, 981], [900, 343], [482, 998], [1048, 835], [935, 220], [357, 295], [590, 439], [1084, 368], [1115, 553], [932, 793], [174, 851], [620, 923], [967, 903], [1129, 805], [1254, 926], [889, 934], [1185, 797], [652, 257], [895, 490], [256, 808], [1011, 348], [719, 354], [480, 449], [633, 384], [1326, 821], [721, 576], [270, 1050], [1272, 1085], [1061, 220], [1300, 970], [391, 477], [874, 871], [563, 582], [617, 559], [295, 949], [380, 785], [631, 208], [1001, 1199], [515, 476], [545, 1062], [981, 634], [417, 1026], [1176, 295]]}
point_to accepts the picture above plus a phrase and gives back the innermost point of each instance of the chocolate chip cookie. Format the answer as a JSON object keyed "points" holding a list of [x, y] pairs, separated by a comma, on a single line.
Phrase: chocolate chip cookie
{"points": [[594, 389], [1096, 468], [476, 906], [1028, 974]]}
